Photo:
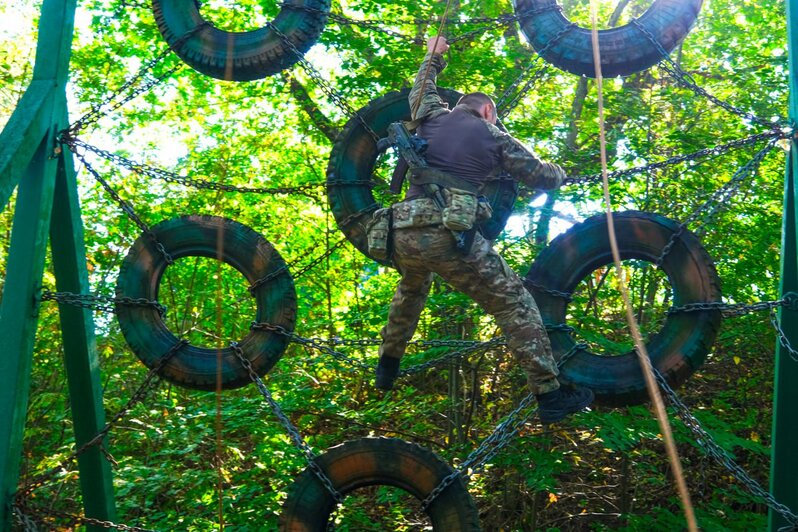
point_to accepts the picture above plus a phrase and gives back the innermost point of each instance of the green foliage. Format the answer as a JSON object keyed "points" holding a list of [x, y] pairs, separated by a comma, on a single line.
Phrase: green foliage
{"points": [[180, 452]]}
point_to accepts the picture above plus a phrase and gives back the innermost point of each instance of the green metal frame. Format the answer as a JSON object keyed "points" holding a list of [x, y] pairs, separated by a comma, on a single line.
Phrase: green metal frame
{"points": [[47, 208], [784, 447]]}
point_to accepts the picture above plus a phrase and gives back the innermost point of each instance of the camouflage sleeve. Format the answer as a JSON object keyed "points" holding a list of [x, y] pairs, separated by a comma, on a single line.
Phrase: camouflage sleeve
{"points": [[424, 99], [524, 166]]}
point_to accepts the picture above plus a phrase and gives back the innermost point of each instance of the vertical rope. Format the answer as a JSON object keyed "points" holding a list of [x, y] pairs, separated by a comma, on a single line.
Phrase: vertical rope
{"points": [[642, 352], [219, 347], [429, 63]]}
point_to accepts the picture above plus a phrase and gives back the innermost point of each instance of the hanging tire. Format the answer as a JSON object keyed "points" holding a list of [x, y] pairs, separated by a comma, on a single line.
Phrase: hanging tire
{"points": [[240, 247], [354, 156], [239, 56], [624, 50], [685, 338], [378, 461]]}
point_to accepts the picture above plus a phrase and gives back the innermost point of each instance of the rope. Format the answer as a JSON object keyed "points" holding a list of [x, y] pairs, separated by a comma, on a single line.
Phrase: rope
{"points": [[645, 362], [434, 47]]}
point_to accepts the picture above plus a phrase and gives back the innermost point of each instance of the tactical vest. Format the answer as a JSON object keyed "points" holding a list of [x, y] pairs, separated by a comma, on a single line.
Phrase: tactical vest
{"points": [[460, 144]]}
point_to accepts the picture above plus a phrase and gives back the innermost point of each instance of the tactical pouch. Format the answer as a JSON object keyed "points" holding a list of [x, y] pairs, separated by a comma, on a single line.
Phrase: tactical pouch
{"points": [[378, 232], [461, 209], [484, 210]]}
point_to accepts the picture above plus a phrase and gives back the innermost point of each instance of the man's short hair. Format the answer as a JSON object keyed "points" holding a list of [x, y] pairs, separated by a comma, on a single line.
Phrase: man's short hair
{"points": [[475, 100]]}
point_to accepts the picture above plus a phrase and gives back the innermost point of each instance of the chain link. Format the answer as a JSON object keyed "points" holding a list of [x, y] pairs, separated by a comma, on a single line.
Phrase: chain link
{"points": [[203, 184], [82, 519], [479, 346], [323, 84], [528, 283], [150, 382], [312, 343], [505, 104], [678, 159], [789, 300], [286, 269], [713, 449], [718, 198], [124, 205], [103, 303], [99, 110], [783, 340], [289, 427], [687, 80], [501, 436]]}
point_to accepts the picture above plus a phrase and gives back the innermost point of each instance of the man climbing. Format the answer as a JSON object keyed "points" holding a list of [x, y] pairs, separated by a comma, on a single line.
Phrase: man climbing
{"points": [[464, 142]]}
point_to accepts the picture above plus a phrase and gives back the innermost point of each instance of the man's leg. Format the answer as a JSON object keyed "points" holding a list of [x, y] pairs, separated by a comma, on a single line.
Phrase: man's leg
{"points": [[485, 277], [403, 315]]}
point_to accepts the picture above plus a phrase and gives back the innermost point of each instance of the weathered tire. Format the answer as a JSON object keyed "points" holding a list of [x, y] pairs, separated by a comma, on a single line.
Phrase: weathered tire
{"points": [[678, 349], [624, 50], [378, 461], [245, 250], [239, 56], [354, 156]]}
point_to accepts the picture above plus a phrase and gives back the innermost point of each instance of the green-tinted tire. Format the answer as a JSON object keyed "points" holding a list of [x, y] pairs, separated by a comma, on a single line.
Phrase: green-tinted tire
{"points": [[240, 56], [354, 157], [624, 50], [378, 461], [682, 344], [240, 247]]}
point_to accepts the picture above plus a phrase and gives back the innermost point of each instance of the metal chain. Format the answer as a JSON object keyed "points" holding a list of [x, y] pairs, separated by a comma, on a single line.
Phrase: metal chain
{"points": [[100, 110], [505, 104], [687, 80], [501, 436], [528, 283], [124, 205], [286, 268], [711, 447], [79, 519], [718, 198], [164, 175], [83, 519], [480, 346], [789, 300], [150, 382], [783, 340], [289, 427], [323, 84], [311, 343], [499, 21], [103, 303], [678, 159]]}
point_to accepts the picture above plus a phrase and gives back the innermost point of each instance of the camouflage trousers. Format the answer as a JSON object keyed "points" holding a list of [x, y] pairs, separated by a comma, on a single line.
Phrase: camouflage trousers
{"points": [[484, 276]]}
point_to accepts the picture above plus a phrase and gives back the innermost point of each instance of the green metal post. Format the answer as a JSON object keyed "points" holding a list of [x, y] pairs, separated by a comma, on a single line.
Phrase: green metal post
{"points": [[29, 164], [784, 458]]}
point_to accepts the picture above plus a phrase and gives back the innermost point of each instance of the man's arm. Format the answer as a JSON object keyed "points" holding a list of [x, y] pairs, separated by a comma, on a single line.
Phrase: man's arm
{"points": [[424, 99], [525, 167]]}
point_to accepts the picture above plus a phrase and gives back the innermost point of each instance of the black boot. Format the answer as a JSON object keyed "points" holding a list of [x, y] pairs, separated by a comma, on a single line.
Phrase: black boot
{"points": [[387, 371], [556, 405]]}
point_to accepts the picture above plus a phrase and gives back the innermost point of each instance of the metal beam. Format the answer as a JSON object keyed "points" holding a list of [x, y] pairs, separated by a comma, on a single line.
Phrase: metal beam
{"points": [[80, 347], [784, 458], [28, 162], [19, 311]]}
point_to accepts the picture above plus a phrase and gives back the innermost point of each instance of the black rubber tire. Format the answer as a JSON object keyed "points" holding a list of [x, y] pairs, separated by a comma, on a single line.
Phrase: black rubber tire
{"points": [[378, 461], [624, 50], [239, 56], [354, 156], [245, 250], [682, 344]]}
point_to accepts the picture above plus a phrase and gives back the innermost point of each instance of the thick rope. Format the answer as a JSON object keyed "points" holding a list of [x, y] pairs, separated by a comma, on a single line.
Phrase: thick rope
{"points": [[642, 353]]}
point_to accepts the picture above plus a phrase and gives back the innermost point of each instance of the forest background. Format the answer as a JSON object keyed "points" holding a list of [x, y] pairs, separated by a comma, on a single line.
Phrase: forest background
{"points": [[602, 470]]}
